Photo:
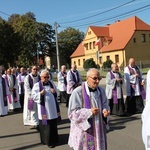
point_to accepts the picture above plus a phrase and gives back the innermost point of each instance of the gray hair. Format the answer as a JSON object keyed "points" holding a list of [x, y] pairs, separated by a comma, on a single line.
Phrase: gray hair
{"points": [[44, 71], [90, 71]]}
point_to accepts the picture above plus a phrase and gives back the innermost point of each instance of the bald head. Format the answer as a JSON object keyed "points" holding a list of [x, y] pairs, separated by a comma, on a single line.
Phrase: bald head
{"points": [[114, 67], [132, 62], [91, 71], [74, 67]]}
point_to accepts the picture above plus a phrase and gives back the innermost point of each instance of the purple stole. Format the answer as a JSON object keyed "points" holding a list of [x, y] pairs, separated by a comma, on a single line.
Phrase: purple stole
{"points": [[43, 109], [64, 73], [14, 91], [142, 90], [4, 92], [90, 132], [22, 86], [31, 81], [73, 76], [114, 91]]}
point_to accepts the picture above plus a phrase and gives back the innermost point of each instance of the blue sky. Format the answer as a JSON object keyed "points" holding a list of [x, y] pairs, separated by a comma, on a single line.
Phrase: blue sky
{"points": [[78, 14]]}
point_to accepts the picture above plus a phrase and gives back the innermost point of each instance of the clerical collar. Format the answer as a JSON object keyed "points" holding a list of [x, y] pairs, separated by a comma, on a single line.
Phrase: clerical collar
{"points": [[92, 90], [34, 75], [44, 84]]}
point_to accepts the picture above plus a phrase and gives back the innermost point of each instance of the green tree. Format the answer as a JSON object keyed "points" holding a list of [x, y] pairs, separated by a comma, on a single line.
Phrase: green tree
{"points": [[68, 41], [37, 38], [107, 64], [9, 44], [89, 63]]}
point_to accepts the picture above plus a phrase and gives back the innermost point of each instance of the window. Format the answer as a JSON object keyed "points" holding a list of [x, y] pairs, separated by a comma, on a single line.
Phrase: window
{"points": [[90, 45], [86, 46], [143, 38], [100, 60], [83, 61], [94, 44], [89, 32], [74, 62], [134, 40], [78, 62], [107, 57], [116, 58]]}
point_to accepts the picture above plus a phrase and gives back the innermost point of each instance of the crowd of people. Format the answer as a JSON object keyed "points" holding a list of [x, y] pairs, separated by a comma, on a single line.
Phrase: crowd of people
{"points": [[89, 105]]}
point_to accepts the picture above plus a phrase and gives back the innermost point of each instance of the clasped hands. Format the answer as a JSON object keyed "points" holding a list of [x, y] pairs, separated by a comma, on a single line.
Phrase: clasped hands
{"points": [[95, 111], [43, 91]]}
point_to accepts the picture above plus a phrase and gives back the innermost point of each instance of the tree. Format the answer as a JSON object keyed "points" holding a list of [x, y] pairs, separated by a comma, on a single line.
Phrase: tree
{"points": [[68, 41], [89, 63], [107, 64], [9, 44], [37, 38]]}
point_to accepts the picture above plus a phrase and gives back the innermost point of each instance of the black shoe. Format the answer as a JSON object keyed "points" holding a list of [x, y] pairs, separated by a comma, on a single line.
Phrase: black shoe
{"points": [[51, 146]]}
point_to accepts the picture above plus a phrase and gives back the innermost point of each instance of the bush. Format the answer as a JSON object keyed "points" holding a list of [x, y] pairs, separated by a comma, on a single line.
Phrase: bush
{"points": [[107, 64], [89, 63]]}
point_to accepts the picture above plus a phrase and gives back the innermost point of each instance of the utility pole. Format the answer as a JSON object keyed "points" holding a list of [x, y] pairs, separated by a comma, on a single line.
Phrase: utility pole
{"points": [[57, 50]]}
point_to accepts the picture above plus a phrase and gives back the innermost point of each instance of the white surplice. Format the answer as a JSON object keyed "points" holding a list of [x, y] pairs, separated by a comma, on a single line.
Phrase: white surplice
{"points": [[79, 116], [50, 104], [13, 104], [30, 117]]}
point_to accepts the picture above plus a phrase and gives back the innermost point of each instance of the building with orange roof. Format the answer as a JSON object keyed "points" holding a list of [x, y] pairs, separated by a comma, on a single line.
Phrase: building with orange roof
{"points": [[118, 42]]}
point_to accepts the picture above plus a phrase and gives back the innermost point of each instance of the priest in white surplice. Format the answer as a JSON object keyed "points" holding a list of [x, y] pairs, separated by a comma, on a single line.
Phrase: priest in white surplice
{"points": [[62, 83], [88, 108], [43, 94], [30, 116], [13, 97], [74, 80], [4, 91], [135, 91], [114, 81]]}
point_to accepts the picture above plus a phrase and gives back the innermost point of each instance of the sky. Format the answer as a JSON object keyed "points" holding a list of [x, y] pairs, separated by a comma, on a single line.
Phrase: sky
{"points": [[79, 14]]}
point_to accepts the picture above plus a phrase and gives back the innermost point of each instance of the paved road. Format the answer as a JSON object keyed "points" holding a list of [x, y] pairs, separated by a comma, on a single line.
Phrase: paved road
{"points": [[124, 134]]}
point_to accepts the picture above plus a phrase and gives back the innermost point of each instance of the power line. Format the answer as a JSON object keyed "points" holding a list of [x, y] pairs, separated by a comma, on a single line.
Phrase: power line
{"points": [[4, 13], [99, 13], [110, 18]]}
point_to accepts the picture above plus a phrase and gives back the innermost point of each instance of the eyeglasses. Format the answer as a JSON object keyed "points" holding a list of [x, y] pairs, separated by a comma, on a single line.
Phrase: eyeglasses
{"points": [[46, 77], [96, 78], [35, 69]]}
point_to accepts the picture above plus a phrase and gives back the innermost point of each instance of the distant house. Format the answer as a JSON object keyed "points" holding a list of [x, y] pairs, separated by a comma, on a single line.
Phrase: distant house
{"points": [[118, 42]]}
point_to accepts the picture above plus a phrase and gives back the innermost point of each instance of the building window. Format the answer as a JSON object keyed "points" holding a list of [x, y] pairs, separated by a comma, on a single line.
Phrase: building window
{"points": [[83, 61], [74, 62], [143, 38], [86, 46], [89, 32], [116, 58], [90, 45], [134, 40], [100, 60], [78, 62], [94, 45], [107, 57]]}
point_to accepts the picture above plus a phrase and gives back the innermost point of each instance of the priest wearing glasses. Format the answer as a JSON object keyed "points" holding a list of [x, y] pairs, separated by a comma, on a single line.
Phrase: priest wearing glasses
{"points": [[30, 116], [44, 95], [88, 108]]}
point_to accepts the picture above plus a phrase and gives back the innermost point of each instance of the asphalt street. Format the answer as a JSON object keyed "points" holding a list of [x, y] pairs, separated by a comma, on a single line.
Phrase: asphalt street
{"points": [[124, 133]]}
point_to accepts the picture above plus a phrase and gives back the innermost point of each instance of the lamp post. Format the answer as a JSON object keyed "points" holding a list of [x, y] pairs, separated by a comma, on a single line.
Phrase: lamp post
{"points": [[57, 50]]}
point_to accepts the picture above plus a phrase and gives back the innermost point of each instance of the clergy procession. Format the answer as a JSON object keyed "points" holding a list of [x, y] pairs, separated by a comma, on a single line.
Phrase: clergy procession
{"points": [[89, 106]]}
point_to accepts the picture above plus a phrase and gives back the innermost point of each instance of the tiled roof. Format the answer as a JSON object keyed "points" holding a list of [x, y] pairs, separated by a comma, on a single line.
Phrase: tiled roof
{"points": [[118, 34], [79, 51], [122, 31]]}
